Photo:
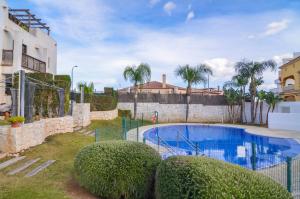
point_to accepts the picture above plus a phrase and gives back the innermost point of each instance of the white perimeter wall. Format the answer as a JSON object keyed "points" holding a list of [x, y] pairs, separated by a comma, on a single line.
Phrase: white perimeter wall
{"points": [[177, 112], [284, 121]]}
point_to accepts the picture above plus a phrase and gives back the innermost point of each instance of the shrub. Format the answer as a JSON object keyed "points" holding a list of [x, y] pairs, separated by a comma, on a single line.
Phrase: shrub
{"points": [[205, 178], [16, 119], [125, 113], [117, 169]]}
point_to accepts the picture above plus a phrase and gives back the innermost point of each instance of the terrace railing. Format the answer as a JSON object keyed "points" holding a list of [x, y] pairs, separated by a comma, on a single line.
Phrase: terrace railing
{"points": [[32, 63], [7, 57]]}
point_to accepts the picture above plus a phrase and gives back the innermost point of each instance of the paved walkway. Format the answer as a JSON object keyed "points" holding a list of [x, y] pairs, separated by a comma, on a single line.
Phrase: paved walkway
{"points": [[132, 134], [25, 166]]}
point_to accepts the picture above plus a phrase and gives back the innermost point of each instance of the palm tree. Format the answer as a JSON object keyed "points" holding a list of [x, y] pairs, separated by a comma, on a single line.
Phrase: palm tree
{"points": [[233, 98], [261, 96], [253, 71], [137, 75], [192, 76], [271, 100], [239, 81], [88, 90]]}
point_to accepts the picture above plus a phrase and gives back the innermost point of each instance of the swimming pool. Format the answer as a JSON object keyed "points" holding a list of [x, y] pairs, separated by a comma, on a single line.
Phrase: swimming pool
{"points": [[232, 145]]}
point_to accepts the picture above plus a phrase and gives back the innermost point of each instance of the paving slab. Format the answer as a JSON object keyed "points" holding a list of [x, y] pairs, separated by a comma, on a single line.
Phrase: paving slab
{"points": [[40, 168], [11, 162], [23, 167]]}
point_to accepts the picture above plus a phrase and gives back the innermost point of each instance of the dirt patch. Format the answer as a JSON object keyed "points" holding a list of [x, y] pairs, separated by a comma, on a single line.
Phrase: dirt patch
{"points": [[77, 192]]}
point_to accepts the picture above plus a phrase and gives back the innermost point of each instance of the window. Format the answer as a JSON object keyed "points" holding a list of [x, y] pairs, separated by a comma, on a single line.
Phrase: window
{"points": [[8, 84], [24, 49]]}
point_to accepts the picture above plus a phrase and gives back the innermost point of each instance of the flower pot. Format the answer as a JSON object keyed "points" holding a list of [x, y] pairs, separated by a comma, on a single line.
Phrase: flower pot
{"points": [[16, 125]]}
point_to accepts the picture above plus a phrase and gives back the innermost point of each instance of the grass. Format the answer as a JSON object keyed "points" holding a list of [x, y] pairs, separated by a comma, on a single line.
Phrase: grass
{"points": [[54, 181], [3, 122]]}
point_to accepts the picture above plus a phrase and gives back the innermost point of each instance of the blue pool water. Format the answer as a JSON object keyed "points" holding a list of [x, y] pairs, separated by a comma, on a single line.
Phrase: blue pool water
{"points": [[232, 145]]}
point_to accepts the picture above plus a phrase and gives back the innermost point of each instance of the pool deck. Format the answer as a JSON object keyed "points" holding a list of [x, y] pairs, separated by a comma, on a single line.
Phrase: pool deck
{"points": [[132, 134]]}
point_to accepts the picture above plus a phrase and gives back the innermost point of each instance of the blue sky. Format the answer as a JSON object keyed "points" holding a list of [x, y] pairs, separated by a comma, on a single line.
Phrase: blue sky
{"points": [[102, 37]]}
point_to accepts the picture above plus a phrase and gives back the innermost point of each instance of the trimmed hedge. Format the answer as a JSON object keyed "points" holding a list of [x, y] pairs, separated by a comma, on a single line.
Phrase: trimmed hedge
{"points": [[125, 113], [205, 178], [117, 169]]}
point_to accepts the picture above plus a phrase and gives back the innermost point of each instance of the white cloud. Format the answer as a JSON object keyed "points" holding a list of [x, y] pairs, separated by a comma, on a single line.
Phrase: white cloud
{"points": [[89, 41], [276, 27], [169, 7], [154, 2], [190, 16]]}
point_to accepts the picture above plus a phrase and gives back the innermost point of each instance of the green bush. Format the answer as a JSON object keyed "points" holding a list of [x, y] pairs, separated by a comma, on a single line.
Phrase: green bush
{"points": [[125, 113], [16, 119], [117, 169], [205, 178]]}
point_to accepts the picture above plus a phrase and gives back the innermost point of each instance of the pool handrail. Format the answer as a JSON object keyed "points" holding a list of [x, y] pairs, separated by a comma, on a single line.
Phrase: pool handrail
{"points": [[187, 141]]}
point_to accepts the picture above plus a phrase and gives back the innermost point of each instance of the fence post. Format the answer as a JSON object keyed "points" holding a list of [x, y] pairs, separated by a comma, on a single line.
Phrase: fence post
{"points": [[21, 93], [97, 135], [130, 122], [137, 131], [144, 140], [158, 143], [142, 119], [289, 174], [156, 112], [124, 127], [253, 157], [177, 140]]}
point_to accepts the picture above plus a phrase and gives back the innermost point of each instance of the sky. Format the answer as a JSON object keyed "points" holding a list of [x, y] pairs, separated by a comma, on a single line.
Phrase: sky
{"points": [[102, 37]]}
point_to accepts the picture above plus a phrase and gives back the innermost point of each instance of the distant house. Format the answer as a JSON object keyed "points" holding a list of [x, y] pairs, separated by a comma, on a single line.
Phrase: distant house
{"points": [[164, 88], [289, 79], [25, 43]]}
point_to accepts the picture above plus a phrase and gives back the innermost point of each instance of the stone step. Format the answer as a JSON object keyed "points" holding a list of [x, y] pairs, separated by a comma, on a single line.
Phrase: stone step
{"points": [[23, 167], [11, 162], [40, 168]]}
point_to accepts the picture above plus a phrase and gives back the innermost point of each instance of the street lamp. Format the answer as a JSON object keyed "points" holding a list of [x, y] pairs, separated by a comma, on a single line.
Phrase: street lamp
{"points": [[72, 89]]}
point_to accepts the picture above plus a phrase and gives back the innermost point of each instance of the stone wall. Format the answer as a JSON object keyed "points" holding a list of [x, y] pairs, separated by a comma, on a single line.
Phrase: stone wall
{"points": [[104, 115], [81, 114], [177, 112], [13, 140]]}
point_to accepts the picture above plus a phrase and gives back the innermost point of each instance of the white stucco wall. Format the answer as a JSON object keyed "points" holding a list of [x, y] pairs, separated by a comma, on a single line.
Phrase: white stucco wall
{"points": [[177, 112], [39, 45], [285, 121]]}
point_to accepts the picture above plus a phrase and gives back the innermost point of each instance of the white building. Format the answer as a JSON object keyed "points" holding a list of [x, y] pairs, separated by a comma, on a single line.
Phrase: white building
{"points": [[25, 43]]}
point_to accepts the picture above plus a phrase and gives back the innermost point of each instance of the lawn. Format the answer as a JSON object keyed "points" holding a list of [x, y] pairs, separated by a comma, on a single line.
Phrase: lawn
{"points": [[3, 122], [56, 181]]}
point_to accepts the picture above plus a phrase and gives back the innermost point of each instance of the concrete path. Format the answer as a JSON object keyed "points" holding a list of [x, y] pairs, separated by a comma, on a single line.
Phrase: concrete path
{"points": [[11, 162], [40, 168], [23, 167]]}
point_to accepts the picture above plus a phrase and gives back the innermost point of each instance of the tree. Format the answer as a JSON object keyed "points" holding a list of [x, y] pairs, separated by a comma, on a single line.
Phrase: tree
{"points": [[88, 90], [233, 97], [253, 71], [261, 97], [239, 81], [137, 75], [271, 100], [192, 76]]}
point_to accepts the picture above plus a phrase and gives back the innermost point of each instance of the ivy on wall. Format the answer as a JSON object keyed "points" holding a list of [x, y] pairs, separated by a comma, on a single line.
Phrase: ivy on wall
{"points": [[101, 102], [46, 99]]}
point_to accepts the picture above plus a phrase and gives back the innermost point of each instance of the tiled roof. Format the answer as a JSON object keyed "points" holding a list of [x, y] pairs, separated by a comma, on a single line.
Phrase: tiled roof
{"points": [[154, 85]]}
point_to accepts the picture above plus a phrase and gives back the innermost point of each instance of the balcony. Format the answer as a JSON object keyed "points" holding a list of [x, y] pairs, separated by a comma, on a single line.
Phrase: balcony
{"points": [[288, 88], [34, 64], [7, 57]]}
